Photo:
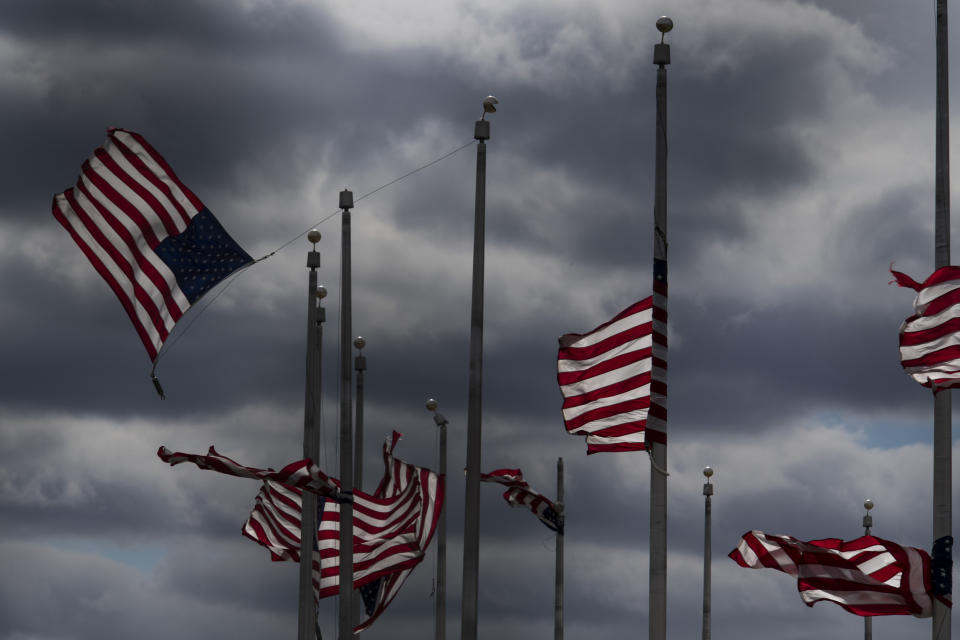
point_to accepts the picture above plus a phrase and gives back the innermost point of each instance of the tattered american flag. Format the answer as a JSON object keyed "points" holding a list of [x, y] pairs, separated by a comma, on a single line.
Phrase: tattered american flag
{"points": [[519, 494], [302, 473], [392, 529], [930, 339], [152, 240], [867, 576], [614, 378]]}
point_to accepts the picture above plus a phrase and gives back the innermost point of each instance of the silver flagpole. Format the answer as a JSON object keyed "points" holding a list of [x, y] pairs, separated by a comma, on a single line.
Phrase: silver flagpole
{"points": [[942, 437], [307, 616], [867, 523], [346, 428], [440, 622], [471, 524], [658, 450], [707, 551], [359, 365], [558, 592]]}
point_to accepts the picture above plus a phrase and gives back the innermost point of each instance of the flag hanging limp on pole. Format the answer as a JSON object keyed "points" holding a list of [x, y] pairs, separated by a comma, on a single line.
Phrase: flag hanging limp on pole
{"points": [[867, 576], [391, 531], [613, 379], [930, 339], [519, 494], [152, 240]]}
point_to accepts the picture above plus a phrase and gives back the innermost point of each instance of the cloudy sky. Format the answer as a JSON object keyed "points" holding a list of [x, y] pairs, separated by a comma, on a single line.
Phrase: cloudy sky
{"points": [[801, 166]]}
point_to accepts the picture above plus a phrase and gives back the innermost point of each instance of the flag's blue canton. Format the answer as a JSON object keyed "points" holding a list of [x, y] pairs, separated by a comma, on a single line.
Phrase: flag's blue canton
{"points": [[941, 566], [369, 593], [550, 518], [201, 256], [660, 270]]}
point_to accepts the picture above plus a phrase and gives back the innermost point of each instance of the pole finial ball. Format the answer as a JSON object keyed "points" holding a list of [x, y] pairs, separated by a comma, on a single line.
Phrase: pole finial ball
{"points": [[359, 342], [664, 24], [313, 236], [321, 292], [432, 405], [868, 504], [707, 471]]}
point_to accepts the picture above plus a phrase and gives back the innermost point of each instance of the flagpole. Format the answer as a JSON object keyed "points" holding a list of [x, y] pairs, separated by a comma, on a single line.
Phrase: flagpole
{"points": [[307, 616], [658, 450], [346, 427], [471, 526], [440, 618], [942, 437], [558, 593], [359, 365], [867, 523], [707, 549]]}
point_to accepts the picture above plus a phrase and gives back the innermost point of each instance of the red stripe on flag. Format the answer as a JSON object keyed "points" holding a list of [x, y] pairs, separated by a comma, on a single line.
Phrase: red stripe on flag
{"points": [[172, 225], [142, 262], [105, 273], [194, 200], [607, 344], [604, 366], [146, 302], [613, 389], [158, 182]]}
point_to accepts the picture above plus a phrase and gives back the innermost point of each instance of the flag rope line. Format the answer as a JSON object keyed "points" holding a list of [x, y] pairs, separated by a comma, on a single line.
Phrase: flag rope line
{"points": [[230, 279], [655, 465], [369, 193]]}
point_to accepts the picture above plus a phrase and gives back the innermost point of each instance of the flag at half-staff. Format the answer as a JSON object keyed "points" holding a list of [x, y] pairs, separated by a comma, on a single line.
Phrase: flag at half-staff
{"points": [[519, 494], [867, 576], [614, 378], [392, 529], [930, 338], [152, 240]]}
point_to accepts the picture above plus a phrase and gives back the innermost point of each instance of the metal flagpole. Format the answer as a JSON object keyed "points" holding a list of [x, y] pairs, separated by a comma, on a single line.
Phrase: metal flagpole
{"points": [[707, 551], [359, 365], [942, 437], [471, 525], [658, 450], [307, 616], [867, 523], [558, 593], [440, 622], [346, 428]]}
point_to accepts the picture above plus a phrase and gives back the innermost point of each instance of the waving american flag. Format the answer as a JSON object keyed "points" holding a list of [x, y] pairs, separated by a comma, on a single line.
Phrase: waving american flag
{"points": [[150, 238], [867, 576], [614, 378]]}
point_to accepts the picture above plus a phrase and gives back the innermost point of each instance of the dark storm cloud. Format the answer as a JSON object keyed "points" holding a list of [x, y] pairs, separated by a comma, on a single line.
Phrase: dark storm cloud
{"points": [[87, 67]]}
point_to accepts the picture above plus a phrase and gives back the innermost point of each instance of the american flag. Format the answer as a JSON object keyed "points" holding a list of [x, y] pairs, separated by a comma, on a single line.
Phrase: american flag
{"points": [[930, 339], [302, 473], [519, 494], [392, 529], [867, 576], [614, 378], [153, 241]]}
